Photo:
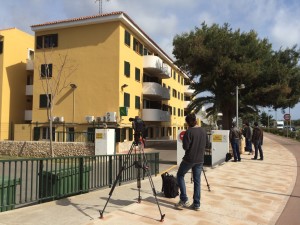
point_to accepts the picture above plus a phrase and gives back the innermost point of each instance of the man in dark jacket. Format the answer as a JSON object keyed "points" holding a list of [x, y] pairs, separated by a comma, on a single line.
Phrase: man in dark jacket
{"points": [[194, 143], [234, 137], [257, 140]]}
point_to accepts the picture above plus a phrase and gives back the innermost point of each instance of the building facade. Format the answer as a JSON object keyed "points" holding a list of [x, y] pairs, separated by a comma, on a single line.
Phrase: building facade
{"points": [[101, 71], [16, 48]]}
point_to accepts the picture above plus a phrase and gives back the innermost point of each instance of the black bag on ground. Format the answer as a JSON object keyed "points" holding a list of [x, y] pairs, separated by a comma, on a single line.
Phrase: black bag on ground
{"points": [[170, 187], [228, 156]]}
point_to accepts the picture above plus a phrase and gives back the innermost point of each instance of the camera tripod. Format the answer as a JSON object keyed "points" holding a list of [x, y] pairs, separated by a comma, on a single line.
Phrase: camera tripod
{"points": [[208, 186], [140, 163]]}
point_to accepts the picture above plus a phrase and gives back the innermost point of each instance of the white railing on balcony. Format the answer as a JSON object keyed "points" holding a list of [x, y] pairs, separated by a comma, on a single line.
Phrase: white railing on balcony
{"points": [[28, 115], [186, 104], [156, 67], [155, 91], [155, 115], [29, 64], [188, 91], [29, 89]]}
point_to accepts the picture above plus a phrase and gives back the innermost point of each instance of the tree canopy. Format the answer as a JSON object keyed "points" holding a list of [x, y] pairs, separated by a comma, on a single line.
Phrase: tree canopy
{"points": [[219, 59]]}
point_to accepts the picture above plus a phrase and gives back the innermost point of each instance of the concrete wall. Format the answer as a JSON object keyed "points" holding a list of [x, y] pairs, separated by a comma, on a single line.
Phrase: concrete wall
{"points": [[42, 149]]}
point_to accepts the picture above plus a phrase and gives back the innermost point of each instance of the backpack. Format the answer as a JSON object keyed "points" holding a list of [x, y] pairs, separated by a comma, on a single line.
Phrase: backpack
{"points": [[169, 185]]}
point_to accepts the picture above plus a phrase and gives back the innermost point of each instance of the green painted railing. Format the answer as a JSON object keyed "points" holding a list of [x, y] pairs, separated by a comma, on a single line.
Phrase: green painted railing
{"points": [[31, 181]]}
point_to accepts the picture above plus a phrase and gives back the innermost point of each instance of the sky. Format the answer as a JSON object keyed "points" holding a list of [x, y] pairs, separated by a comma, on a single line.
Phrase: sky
{"points": [[161, 20]]}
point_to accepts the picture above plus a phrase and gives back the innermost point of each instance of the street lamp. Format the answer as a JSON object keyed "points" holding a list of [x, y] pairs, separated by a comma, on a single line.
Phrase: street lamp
{"points": [[242, 86], [73, 86], [269, 119]]}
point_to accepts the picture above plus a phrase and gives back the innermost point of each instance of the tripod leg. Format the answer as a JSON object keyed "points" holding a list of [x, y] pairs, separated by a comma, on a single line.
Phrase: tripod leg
{"points": [[146, 169], [117, 179], [111, 192], [206, 180]]}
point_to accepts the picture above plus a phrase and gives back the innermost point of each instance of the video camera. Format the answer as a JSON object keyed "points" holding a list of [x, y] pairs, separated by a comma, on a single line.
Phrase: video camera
{"points": [[139, 128]]}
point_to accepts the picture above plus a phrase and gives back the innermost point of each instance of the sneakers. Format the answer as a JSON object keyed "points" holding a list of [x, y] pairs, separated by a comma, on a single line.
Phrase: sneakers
{"points": [[196, 208], [182, 204]]}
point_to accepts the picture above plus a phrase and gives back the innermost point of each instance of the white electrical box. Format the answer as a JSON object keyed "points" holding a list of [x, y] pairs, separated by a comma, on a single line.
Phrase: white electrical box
{"points": [[219, 146], [105, 142]]}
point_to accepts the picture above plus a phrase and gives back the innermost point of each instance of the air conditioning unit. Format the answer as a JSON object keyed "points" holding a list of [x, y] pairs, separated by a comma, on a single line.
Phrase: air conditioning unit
{"points": [[89, 119], [99, 119], [61, 119], [54, 118], [111, 117]]}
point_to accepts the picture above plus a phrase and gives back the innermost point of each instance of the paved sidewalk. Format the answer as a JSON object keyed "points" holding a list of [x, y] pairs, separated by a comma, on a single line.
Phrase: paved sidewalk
{"points": [[246, 192]]}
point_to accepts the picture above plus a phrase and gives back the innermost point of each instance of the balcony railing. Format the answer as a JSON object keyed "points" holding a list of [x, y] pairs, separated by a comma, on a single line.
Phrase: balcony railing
{"points": [[28, 115], [155, 91], [154, 66], [188, 91], [29, 64], [156, 115], [29, 89], [186, 104]]}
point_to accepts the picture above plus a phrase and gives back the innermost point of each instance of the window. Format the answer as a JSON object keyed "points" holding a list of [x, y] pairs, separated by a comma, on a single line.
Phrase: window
{"points": [[174, 75], [174, 94], [126, 99], [138, 47], [178, 79], [178, 112], [91, 134], [137, 74], [46, 70], [46, 133], [137, 102], [1, 47], [174, 111], [47, 41], [127, 69], [44, 101], [127, 38]]}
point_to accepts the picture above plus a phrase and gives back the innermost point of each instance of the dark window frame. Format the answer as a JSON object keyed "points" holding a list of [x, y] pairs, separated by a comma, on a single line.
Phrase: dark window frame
{"points": [[127, 69], [47, 41], [137, 102], [44, 73], [126, 99], [44, 103], [127, 38]]}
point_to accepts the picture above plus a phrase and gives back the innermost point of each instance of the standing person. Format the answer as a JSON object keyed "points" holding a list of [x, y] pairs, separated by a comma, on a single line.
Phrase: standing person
{"points": [[194, 143], [257, 140], [234, 137], [248, 138]]}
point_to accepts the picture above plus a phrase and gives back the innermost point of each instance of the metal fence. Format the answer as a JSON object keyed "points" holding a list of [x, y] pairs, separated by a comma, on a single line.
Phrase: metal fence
{"points": [[31, 181]]}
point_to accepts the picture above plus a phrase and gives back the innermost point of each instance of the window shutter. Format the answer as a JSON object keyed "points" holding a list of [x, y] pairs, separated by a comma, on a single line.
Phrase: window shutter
{"points": [[36, 133]]}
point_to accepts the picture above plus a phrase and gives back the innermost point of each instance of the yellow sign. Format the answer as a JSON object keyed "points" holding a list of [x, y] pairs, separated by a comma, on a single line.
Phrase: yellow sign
{"points": [[99, 136], [217, 138]]}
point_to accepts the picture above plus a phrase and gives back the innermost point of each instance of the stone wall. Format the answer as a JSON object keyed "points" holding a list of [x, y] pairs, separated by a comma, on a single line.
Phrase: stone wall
{"points": [[42, 148]]}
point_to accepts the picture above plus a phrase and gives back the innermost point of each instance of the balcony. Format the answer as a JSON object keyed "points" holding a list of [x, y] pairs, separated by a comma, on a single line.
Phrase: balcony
{"points": [[155, 91], [188, 91], [154, 66], [186, 104], [28, 115], [156, 115], [29, 64], [29, 89]]}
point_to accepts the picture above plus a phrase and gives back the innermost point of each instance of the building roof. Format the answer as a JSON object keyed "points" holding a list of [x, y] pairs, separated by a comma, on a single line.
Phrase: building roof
{"points": [[103, 18]]}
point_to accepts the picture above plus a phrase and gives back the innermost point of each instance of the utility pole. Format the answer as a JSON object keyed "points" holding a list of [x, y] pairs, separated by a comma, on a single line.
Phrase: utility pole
{"points": [[100, 5]]}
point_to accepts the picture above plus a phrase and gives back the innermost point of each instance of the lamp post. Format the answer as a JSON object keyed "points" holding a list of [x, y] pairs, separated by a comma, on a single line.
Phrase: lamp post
{"points": [[269, 119], [242, 86], [73, 86]]}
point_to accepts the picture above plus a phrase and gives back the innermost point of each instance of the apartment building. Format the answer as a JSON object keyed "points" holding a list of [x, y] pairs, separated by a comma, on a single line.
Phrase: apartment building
{"points": [[109, 70], [16, 48]]}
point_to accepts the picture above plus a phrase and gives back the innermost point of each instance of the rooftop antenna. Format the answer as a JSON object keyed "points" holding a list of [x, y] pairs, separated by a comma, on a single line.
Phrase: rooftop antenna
{"points": [[100, 5]]}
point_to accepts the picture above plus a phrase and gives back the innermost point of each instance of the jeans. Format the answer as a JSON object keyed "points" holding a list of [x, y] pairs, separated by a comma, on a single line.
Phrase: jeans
{"points": [[196, 169], [257, 147], [235, 143], [249, 145]]}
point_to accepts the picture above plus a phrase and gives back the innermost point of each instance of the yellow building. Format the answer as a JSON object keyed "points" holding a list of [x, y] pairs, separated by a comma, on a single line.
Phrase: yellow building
{"points": [[107, 65], [16, 47]]}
